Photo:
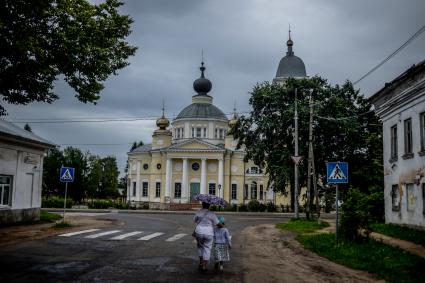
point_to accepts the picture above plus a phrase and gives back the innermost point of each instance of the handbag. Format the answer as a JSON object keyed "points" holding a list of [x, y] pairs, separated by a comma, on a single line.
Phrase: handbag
{"points": [[194, 233]]}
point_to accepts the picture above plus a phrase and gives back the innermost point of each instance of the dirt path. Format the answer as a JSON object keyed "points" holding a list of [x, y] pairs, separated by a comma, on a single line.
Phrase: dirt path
{"points": [[272, 255]]}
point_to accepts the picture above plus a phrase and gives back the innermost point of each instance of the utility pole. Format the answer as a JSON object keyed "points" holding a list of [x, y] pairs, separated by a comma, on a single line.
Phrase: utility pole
{"points": [[310, 156], [296, 184]]}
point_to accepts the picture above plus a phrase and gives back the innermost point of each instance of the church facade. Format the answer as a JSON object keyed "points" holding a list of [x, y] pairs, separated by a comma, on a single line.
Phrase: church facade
{"points": [[197, 155]]}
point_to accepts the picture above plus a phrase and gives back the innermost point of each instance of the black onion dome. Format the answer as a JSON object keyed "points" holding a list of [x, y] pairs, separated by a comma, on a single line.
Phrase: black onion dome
{"points": [[290, 65], [202, 110], [202, 85]]}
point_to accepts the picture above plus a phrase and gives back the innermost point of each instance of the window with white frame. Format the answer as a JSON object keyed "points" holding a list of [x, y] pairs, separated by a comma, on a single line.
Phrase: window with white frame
{"points": [[134, 189], [395, 197], [199, 132], [145, 186], [193, 132], [234, 191], [204, 132], [394, 150], [216, 133], [158, 189], [211, 188], [408, 137], [5, 190], [422, 123], [177, 190], [253, 170]]}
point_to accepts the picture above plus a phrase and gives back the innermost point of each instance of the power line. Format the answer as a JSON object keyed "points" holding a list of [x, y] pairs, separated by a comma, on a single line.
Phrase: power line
{"points": [[413, 37], [93, 120]]}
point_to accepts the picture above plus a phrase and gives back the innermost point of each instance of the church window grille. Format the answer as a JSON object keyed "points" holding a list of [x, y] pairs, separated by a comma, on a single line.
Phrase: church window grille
{"points": [[245, 196], [211, 188], [253, 190], [234, 191], [178, 190], [193, 132], [199, 132], [261, 192], [216, 133], [134, 189], [145, 186], [157, 189]]}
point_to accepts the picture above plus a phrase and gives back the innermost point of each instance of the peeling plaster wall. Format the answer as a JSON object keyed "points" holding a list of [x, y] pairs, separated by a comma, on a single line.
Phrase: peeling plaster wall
{"points": [[404, 172]]}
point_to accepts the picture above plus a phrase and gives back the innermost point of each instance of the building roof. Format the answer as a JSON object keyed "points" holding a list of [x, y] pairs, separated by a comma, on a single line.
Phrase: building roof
{"points": [[377, 98], [11, 130], [201, 110], [142, 148]]}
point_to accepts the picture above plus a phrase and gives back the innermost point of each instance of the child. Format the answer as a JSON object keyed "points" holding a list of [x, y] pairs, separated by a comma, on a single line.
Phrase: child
{"points": [[222, 244]]}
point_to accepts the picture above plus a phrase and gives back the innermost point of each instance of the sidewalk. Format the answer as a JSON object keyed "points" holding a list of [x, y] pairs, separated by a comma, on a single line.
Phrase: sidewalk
{"points": [[402, 244]]}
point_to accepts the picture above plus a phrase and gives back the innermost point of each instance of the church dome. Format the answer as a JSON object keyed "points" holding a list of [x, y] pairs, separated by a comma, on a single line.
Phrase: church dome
{"points": [[202, 85], [202, 107], [202, 110], [290, 65]]}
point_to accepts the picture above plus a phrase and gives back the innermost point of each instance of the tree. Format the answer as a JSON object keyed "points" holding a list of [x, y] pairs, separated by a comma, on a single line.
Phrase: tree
{"points": [[74, 157], [51, 169], [110, 175], [40, 40], [345, 129]]}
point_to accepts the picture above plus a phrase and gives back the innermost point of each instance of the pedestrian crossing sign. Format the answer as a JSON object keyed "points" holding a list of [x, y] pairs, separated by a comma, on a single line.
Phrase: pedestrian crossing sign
{"points": [[337, 172], [67, 174]]}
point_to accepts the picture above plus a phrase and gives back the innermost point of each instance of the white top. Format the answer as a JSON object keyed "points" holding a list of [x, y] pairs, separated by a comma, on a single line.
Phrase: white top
{"points": [[206, 221], [222, 236]]}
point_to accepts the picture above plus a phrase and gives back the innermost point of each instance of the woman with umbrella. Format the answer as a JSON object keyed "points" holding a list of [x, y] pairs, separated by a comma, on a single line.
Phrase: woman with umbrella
{"points": [[206, 221]]}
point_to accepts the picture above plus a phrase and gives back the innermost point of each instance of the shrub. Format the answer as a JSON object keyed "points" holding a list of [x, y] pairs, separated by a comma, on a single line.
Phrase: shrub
{"points": [[101, 204], [359, 212], [56, 202], [243, 208], [262, 207], [254, 205], [271, 207]]}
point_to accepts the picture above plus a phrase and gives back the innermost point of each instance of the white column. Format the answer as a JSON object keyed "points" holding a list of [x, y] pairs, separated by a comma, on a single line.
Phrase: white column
{"points": [[203, 176], [220, 177], [185, 193], [168, 176], [139, 163]]}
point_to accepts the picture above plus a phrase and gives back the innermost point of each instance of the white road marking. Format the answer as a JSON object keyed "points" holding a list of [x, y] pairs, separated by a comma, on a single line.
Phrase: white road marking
{"points": [[175, 237], [123, 236], [151, 236], [78, 233], [103, 234]]}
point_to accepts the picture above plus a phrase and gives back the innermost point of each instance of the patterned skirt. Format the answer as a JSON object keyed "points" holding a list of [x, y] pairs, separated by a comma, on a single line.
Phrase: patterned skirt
{"points": [[221, 252]]}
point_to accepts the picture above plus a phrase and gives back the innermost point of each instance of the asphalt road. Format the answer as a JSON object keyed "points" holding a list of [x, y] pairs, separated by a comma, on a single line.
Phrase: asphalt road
{"points": [[147, 248]]}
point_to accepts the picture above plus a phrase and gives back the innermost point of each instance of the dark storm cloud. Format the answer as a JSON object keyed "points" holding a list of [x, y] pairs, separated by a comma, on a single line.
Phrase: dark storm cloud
{"points": [[243, 42]]}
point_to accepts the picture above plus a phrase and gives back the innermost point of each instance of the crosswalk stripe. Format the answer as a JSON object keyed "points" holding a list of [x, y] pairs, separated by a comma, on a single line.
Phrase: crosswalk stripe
{"points": [[151, 236], [175, 237], [123, 236], [78, 232], [103, 234]]}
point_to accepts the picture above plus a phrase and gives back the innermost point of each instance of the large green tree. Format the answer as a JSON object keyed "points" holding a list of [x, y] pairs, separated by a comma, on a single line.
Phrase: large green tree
{"points": [[83, 43], [345, 129]]}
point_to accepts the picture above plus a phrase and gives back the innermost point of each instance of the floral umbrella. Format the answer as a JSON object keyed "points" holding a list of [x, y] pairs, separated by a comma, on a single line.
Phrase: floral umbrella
{"points": [[211, 199]]}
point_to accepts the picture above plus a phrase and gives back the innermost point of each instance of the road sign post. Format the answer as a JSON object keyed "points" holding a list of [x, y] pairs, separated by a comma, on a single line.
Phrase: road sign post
{"points": [[66, 176], [337, 173]]}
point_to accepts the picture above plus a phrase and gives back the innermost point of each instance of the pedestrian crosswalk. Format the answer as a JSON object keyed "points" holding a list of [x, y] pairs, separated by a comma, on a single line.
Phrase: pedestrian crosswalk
{"points": [[121, 235]]}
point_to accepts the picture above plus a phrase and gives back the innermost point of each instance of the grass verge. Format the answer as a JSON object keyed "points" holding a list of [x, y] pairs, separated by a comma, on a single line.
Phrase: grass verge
{"points": [[302, 225], [401, 232], [62, 225], [48, 217], [387, 262]]}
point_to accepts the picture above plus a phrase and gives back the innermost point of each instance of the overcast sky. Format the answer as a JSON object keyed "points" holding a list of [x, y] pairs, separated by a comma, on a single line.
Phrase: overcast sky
{"points": [[243, 42]]}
